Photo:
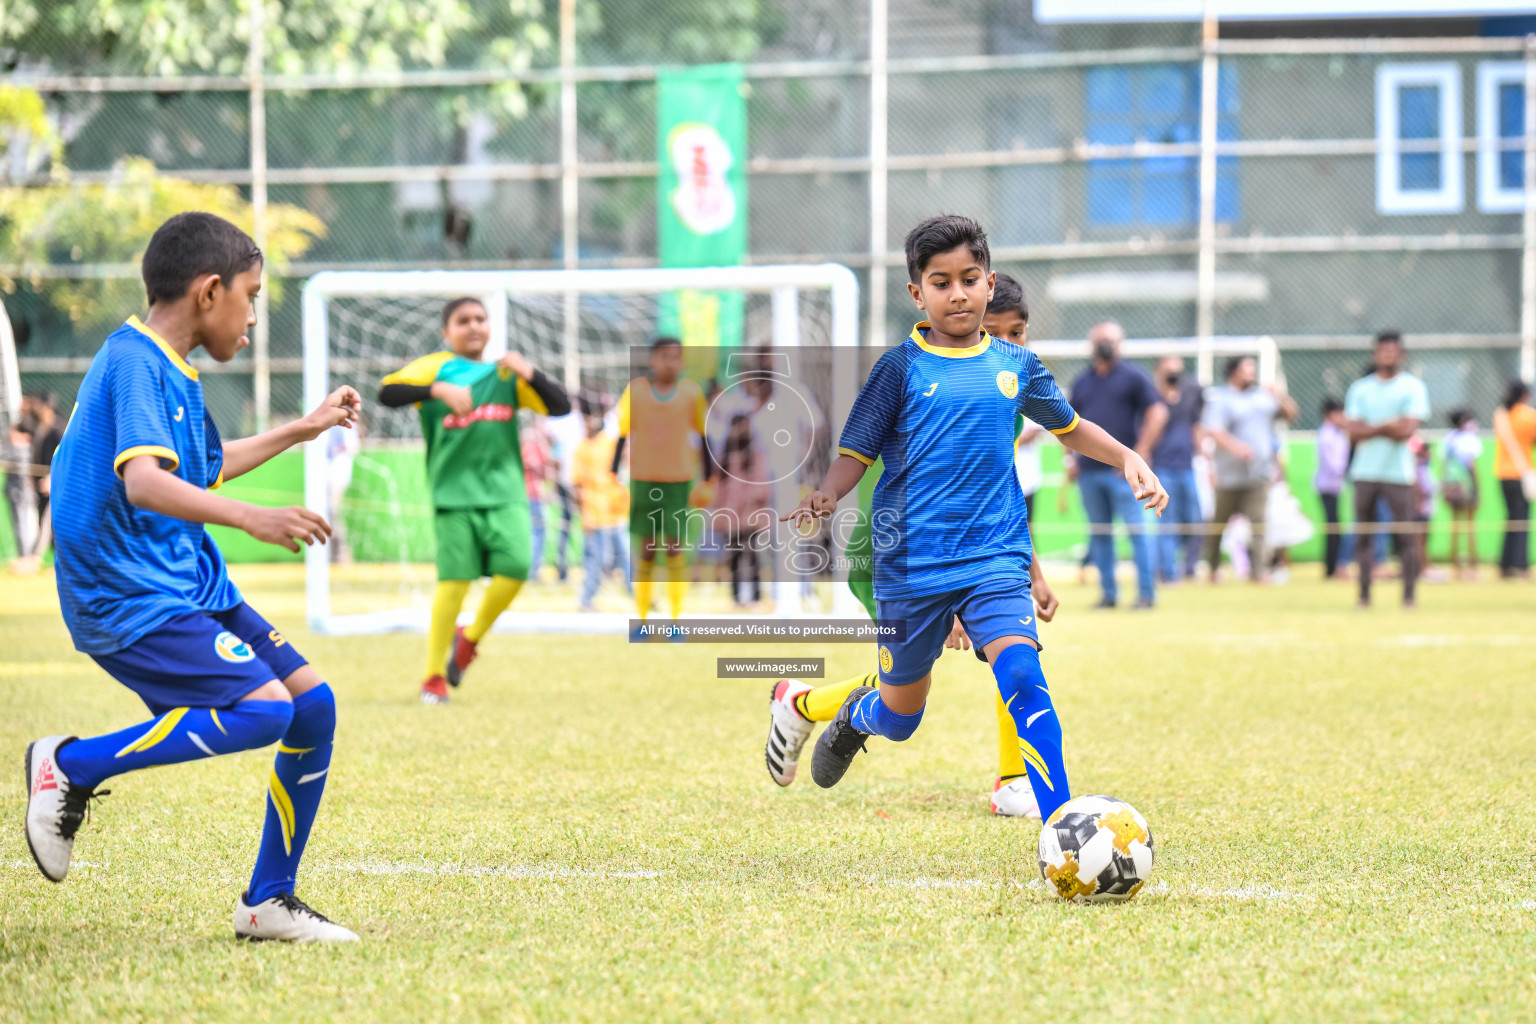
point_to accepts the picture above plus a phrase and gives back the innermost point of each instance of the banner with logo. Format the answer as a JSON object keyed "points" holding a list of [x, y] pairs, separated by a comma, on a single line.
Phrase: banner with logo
{"points": [[701, 205]]}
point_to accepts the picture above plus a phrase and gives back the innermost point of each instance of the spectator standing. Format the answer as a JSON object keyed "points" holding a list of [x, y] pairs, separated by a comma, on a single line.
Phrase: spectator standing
{"points": [[341, 448], [565, 433], [1514, 425], [46, 436], [1121, 398], [536, 476], [1173, 458], [1458, 484], [1240, 418], [20, 494], [1383, 411], [604, 505], [740, 502], [1332, 468], [1424, 492], [1026, 463]]}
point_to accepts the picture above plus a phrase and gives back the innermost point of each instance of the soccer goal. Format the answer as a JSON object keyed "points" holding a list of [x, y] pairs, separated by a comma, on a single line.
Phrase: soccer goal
{"points": [[580, 325]]}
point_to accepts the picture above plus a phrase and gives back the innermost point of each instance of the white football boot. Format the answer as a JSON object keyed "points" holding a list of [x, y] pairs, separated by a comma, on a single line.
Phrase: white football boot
{"points": [[286, 918], [55, 808], [787, 730], [1015, 799]]}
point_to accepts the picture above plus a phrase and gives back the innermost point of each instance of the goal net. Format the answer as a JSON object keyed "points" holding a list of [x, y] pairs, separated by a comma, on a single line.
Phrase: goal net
{"points": [[585, 327]]}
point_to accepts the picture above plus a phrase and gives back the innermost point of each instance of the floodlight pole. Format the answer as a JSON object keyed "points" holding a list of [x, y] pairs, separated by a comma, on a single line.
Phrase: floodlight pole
{"points": [[570, 224], [261, 355], [1528, 255], [1205, 277], [879, 136]]}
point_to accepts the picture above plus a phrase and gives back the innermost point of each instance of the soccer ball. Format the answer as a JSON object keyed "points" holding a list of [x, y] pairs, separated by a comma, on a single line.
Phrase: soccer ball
{"points": [[1096, 849]]}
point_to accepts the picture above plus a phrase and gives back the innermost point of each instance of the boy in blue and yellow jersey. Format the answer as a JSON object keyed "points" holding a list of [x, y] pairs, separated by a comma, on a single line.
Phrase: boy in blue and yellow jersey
{"points": [[143, 587], [950, 532], [794, 707], [468, 410]]}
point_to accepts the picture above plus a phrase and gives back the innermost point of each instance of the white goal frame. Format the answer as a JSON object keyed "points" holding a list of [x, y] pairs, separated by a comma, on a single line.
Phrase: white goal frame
{"points": [[783, 283]]}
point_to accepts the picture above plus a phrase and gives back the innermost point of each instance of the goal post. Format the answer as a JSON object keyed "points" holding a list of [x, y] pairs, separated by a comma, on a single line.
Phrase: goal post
{"points": [[358, 325]]}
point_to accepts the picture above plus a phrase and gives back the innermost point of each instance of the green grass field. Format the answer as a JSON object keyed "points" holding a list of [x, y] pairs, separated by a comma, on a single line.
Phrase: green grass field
{"points": [[1342, 805]]}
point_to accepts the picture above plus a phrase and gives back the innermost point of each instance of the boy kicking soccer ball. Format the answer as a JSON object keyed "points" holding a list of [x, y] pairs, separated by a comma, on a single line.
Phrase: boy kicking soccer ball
{"points": [[939, 410], [468, 413], [794, 707], [143, 587]]}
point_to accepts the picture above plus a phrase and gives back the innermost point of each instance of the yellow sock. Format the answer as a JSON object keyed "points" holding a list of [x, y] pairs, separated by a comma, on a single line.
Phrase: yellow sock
{"points": [[446, 603], [677, 583], [1010, 761], [643, 572], [497, 597], [821, 704]]}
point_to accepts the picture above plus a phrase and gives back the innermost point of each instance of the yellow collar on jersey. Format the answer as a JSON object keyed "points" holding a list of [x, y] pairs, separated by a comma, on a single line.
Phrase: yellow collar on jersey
{"points": [[949, 353], [170, 353]]}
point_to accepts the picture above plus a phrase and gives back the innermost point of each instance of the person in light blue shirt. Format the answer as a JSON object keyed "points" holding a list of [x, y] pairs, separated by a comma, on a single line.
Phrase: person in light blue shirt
{"points": [[1382, 411]]}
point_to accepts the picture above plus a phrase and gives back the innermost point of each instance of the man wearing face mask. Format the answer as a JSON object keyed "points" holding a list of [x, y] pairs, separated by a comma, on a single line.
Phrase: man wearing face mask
{"points": [[1121, 398], [1182, 525]]}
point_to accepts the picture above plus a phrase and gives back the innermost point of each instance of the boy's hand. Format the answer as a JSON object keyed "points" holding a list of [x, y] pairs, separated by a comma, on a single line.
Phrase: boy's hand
{"points": [[339, 409], [1145, 485], [958, 639], [454, 397], [815, 505], [515, 362], [1046, 601], [281, 526]]}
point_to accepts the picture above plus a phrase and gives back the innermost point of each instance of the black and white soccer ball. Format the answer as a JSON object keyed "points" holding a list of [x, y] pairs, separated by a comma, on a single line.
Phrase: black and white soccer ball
{"points": [[1096, 849]]}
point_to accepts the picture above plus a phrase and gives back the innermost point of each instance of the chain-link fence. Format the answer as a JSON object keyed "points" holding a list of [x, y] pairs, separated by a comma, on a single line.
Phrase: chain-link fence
{"points": [[1358, 184]]}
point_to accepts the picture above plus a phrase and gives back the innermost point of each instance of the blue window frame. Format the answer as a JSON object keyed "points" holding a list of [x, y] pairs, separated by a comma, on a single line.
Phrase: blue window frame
{"points": [[1418, 138], [1500, 136], [1156, 103]]}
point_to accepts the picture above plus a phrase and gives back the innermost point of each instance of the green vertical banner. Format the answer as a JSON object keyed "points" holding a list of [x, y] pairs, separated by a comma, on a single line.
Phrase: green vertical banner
{"points": [[701, 142]]}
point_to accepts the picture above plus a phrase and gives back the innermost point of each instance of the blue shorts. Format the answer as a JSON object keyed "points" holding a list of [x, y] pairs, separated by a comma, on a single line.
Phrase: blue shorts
{"points": [[988, 611], [203, 659]]}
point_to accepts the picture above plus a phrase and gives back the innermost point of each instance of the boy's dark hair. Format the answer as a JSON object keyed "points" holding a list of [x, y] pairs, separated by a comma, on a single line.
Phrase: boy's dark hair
{"points": [[663, 342], [1459, 417], [1332, 405], [456, 304], [190, 245], [1389, 337], [1008, 297], [1233, 362], [1515, 393], [941, 234]]}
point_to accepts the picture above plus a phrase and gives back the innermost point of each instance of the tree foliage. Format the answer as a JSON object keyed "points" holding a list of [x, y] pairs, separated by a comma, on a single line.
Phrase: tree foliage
{"points": [[65, 222]]}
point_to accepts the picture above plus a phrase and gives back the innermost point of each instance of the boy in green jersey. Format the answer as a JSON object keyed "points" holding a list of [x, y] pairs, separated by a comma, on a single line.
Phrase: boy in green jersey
{"points": [[475, 471]]}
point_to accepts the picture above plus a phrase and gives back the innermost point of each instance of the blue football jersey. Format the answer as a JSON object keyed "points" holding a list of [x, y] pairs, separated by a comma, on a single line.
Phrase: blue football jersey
{"points": [[948, 511], [123, 570]]}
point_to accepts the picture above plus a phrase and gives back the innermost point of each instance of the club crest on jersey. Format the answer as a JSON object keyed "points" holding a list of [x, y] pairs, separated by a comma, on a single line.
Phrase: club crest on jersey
{"points": [[492, 413], [1008, 383], [886, 661], [232, 649]]}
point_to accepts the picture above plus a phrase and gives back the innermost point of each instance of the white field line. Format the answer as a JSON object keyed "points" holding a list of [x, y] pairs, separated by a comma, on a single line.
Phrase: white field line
{"points": [[514, 871], [1456, 640]]}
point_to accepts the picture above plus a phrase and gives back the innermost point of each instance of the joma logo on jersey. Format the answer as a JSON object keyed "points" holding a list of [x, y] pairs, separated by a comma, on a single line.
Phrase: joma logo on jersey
{"points": [[493, 413], [231, 648]]}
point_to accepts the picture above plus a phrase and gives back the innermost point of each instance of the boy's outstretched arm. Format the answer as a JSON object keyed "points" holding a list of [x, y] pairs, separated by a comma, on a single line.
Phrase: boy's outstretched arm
{"points": [[156, 489], [1092, 440], [842, 476], [240, 457]]}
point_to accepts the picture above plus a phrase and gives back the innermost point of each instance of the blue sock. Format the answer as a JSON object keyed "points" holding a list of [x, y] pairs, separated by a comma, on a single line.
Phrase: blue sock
{"points": [[872, 716], [293, 793], [181, 734], [1022, 684]]}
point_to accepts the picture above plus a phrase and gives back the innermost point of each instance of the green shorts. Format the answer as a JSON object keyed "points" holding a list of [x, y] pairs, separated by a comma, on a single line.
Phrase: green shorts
{"points": [[659, 509], [476, 542]]}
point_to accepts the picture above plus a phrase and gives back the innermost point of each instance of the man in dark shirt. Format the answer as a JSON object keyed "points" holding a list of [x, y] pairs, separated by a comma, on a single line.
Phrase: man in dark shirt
{"points": [[1179, 531], [1122, 399]]}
